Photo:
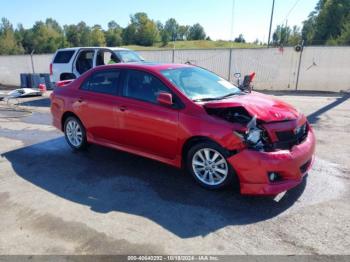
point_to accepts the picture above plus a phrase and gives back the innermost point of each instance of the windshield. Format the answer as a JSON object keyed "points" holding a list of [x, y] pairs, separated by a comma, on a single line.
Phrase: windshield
{"points": [[129, 56], [199, 84]]}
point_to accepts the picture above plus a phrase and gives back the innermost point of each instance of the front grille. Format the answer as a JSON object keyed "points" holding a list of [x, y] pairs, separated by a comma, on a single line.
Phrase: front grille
{"points": [[288, 139]]}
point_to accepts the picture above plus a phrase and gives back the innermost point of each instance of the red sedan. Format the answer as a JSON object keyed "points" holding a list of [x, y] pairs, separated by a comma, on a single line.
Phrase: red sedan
{"points": [[188, 117]]}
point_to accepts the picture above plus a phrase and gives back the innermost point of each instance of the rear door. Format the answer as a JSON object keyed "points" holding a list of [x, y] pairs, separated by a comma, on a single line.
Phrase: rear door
{"points": [[97, 105], [144, 124], [84, 61], [62, 63]]}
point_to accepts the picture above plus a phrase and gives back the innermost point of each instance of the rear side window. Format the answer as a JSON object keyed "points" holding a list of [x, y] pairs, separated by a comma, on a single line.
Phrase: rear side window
{"points": [[63, 57], [104, 82]]}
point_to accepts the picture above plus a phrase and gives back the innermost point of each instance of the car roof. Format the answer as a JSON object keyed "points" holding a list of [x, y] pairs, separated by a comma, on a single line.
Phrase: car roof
{"points": [[150, 66], [94, 47]]}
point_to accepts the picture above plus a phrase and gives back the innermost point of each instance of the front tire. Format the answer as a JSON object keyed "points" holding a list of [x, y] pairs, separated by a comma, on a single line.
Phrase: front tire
{"points": [[75, 133], [207, 163]]}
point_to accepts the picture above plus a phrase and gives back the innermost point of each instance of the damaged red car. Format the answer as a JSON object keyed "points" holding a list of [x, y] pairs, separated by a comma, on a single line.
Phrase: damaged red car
{"points": [[185, 116]]}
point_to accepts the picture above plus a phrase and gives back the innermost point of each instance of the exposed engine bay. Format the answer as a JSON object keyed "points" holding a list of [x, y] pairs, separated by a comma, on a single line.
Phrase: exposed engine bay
{"points": [[233, 114], [256, 135]]}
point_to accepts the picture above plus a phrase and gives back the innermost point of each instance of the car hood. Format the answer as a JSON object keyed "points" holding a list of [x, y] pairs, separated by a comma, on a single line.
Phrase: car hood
{"points": [[265, 108]]}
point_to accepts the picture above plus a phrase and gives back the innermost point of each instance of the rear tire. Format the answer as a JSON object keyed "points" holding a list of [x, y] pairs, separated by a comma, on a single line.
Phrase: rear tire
{"points": [[75, 133], [206, 162]]}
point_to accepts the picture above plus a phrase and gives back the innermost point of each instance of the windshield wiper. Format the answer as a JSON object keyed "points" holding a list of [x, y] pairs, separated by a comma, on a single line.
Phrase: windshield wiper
{"points": [[206, 99], [229, 95], [218, 98]]}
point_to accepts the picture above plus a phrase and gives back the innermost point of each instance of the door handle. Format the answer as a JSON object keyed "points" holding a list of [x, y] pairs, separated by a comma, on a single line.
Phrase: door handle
{"points": [[80, 100], [123, 108]]}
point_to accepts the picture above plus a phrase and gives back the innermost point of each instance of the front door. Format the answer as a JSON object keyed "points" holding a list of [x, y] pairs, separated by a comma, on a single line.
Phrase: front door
{"points": [[144, 124]]}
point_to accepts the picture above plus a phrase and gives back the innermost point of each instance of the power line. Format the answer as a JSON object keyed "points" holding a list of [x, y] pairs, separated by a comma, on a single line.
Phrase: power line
{"points": [[291, 10]]}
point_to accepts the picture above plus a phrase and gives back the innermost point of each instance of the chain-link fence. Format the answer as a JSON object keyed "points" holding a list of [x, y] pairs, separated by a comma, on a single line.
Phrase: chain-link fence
{"points": [[316, 68]]}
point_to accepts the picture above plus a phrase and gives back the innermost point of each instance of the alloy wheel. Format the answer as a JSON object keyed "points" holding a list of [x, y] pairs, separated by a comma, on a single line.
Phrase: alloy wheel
{"points": [[74, 133], [209, 166]]}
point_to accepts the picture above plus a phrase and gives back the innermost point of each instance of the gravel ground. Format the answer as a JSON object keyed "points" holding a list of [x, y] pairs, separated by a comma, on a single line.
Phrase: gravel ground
{"points": [[55, 201]]}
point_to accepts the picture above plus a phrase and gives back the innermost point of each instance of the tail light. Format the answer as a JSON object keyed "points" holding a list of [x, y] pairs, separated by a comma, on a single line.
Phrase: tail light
{"points": [[51, 72], [63, 83]]}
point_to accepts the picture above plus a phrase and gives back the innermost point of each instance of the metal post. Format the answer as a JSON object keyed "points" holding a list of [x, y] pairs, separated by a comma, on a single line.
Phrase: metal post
{"points": [[173, 57], [31, 58], [299, 65], [230, 65], [271, 20]]}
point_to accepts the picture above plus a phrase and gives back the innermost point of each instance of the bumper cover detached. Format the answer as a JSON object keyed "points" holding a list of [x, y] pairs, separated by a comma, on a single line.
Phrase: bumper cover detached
{"points": [[253, 167]]}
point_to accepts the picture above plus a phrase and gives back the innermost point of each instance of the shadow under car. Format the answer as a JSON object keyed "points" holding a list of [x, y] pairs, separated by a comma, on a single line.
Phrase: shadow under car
{"points": [[107, 180]]}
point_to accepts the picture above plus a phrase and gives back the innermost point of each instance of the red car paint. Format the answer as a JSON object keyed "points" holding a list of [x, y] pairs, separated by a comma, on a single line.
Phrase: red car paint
{"points": [[161, 133]]}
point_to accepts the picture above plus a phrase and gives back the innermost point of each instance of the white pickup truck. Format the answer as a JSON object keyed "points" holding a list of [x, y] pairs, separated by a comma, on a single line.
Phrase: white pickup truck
{"points": [[70, 63]]}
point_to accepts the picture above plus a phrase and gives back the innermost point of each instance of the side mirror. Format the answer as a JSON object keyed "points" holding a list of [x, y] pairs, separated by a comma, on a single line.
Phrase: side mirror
{"points": [[165, 99], [237, 75], [248, 79]]}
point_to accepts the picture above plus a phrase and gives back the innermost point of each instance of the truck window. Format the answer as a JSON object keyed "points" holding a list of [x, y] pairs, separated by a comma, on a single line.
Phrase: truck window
{"points": [[63, 57], [85, 61], [106, 57]]}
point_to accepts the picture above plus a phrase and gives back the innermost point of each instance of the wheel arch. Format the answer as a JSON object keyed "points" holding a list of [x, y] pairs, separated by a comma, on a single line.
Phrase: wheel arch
{"points": [[190, 142], [67, 76], [65, 116]]}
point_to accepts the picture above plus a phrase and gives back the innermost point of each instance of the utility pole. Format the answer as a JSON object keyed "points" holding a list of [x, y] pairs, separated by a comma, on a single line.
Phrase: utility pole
{"points": [[31, 59], [271, 20], [299, 65]]}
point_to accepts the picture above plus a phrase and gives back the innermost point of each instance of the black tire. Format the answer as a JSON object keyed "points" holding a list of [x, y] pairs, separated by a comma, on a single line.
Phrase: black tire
{"points": [[230, 179], [75, 146], [67, 76]]}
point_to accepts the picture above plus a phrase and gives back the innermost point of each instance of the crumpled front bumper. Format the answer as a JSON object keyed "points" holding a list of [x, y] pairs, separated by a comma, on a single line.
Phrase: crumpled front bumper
{"points": [[252, 168]]}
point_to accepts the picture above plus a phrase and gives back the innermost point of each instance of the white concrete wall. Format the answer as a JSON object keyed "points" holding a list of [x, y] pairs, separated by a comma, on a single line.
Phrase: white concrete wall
{"points": [[12, 66], [322, 68]]}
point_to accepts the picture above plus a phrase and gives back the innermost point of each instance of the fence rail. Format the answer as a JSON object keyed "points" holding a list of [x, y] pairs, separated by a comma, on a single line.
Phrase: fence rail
{"points": [[318, 68]]}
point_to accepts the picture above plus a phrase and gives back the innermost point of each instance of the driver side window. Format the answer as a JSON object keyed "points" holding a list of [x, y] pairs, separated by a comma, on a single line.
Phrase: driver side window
{"points": [[143, 86], [106, 57]]}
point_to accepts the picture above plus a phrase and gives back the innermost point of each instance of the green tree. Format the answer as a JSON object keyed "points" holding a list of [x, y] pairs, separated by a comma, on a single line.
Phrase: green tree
{"points": [[196, 32], [183, 32], [43, 37], [281, 35], [97, 36], [165, 37], [129, 35], [344, 38], [326, 23], [141, 31], [8, 41], [78, 35], [114, 34], [240, 39], [295, 36], [172, 28]]}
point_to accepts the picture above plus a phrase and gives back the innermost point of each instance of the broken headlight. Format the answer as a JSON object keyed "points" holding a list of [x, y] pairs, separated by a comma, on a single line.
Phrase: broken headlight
{"points": [[253, 136]]}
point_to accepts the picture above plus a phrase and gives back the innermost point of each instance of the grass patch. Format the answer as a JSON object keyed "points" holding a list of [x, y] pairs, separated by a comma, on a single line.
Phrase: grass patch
{"points": [[200, 44]]}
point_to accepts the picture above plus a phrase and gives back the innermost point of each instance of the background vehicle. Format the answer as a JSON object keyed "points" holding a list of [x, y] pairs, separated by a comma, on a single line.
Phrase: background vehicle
{"points": [[70, 63], [188, 117]]}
